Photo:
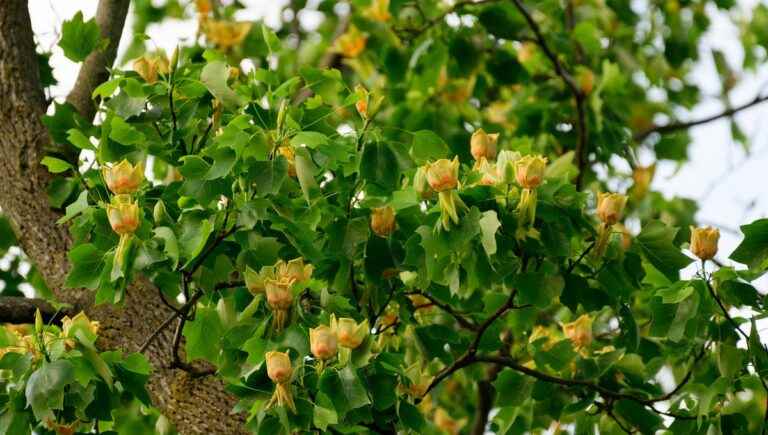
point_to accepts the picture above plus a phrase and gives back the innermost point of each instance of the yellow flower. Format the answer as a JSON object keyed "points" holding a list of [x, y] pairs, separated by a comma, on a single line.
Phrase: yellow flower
{"points": [[505, 165], [418, 381], [226, 34], [149, 66], [294, 269], [610, 207], [351, 43], [529, 171], [579, 331], [383, 221], [322, 342], [287, 152], [80, 319], [203, 6], [379, 11], [350, 333], [279, 299], [489, 172], [586, 79], [279, 367], [704, 242], [642, 176], [483, 145], [123, 178], [123, 215], [446, 423], [443, 174]]}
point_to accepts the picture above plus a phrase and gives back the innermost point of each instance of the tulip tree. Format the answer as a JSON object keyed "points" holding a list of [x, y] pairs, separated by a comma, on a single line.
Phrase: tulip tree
{"points": [[377, 217]]}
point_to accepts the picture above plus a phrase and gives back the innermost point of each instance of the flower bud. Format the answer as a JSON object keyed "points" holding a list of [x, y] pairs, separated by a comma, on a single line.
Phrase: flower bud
{"points": [[294, 269], [203, 6], [579, 331], [287, 152], [529, 171], [505, 165], [383, 221], [443, 174], [351, 43], [123, 215], [362, 101], [704, 242], [322, 342], [279, 367], [123, 178], [586, 80], [610, 207], [483, 144], [350, 333]]}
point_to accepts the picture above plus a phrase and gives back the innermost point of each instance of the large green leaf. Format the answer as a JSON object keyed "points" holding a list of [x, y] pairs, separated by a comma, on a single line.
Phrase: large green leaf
{"points": [[753, 250], [656, 243]]}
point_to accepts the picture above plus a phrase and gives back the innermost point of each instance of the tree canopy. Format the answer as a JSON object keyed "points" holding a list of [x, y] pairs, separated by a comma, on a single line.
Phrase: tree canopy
{"points": [[381, 216]]}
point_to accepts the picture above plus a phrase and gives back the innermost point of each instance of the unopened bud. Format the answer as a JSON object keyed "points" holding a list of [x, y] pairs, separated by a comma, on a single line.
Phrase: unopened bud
{"points": [[279, 367], [483, 144], [322, 342], [610, 207], [443, 174], [704, 242], [383, 221]]}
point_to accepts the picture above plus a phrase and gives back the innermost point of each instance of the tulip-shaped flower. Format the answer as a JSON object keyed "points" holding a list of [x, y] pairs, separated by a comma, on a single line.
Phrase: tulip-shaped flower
{"points": [[280, 371], [294, 269], [448, 424], [350, 333], [529, 173], [704, 242], [124, 218], [123, 178], [383, 221], [255, 282], [488, 171], [351, 43], [379, 11], [483, 144], [579, 331], [279, 299], [610, 208], [226, 34], [323, 344], [70, 326], [287, 152], [443, 178], [642, 177], [150, 66]]}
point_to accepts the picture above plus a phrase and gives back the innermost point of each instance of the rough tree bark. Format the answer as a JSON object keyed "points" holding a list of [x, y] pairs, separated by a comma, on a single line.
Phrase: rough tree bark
{"points": [[194, 405]]}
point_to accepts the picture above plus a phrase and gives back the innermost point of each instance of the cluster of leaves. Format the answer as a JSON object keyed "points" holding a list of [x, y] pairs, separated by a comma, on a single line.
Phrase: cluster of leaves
{"points": [[248, 168], [55, 381]]}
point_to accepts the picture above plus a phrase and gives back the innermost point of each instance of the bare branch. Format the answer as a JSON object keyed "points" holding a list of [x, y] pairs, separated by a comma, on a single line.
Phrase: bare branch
{"points": [[677, 126], [462, 321], [110, 16]]}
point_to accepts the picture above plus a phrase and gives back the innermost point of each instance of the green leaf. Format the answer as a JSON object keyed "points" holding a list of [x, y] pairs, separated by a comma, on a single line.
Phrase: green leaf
{"points": [[194, 230], [170, 244], [489, 224], [78, 139], [410, 416], [638, 415], [428, 146], [502, 21], [512, 388], [757, 351], [223, 161], [79, 38], [214, 76], [656, 242], [45, 388], [539, 288], [311, 139], [54, 165], [753, 250], [125, 133], [203, 335], [194, 167], [74, 209], [379, 166]]}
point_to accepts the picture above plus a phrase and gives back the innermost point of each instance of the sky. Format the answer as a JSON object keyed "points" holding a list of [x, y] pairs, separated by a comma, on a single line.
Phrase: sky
{"points": [[728, 183]]}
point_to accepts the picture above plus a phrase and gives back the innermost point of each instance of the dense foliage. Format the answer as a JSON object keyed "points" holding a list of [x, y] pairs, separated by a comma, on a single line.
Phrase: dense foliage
{"points": [[394, 223]]}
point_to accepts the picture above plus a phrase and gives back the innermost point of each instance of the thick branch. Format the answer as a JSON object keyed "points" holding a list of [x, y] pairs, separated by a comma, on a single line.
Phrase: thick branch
{"points": [[20, 310], [669, 128], [110, 16]]}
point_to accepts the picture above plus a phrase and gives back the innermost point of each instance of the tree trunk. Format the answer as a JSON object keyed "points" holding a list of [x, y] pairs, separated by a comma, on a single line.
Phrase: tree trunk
{"points": [[194, 405]]}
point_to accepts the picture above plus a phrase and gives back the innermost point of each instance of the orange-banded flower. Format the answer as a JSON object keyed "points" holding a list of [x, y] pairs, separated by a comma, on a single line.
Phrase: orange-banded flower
{"points": [[352, 43], [379, 11], [123, 178], [279, 367], [488, 171], [443, 174], [704, 242], [483, 145], [294, 269], [610, 207], [529, 171], [579, 331], [350, 333], [226, 34], [383, 221], [323, 342], [255, 282], [150, 66], [123, 215]]}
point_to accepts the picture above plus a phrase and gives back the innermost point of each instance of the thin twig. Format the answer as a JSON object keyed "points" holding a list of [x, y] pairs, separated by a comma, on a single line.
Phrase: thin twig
{"points": [[462, 321], [184, 309]]}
